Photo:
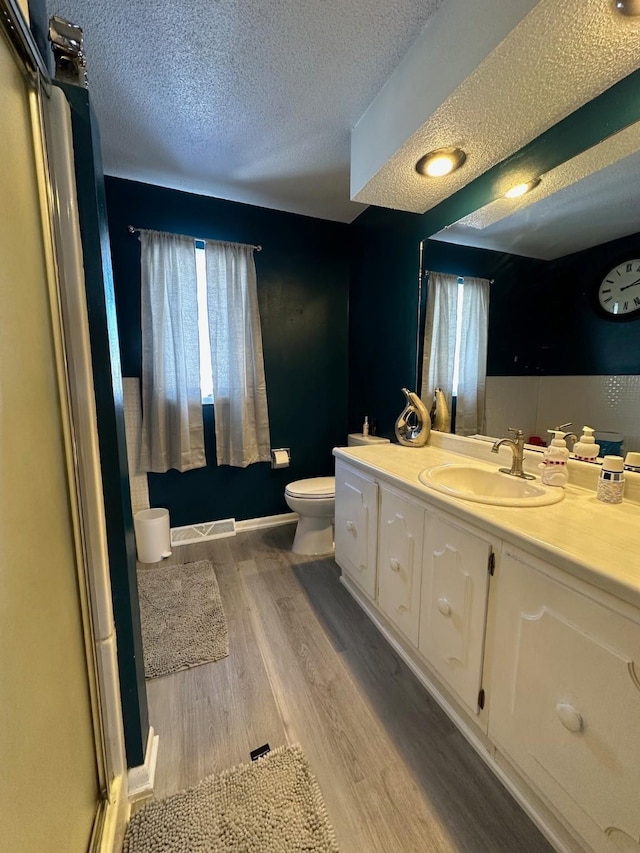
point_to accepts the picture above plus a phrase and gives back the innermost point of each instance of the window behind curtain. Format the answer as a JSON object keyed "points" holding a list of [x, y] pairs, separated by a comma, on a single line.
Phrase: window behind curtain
{"points": [[206, 377], [201, 339], [455, 347]]}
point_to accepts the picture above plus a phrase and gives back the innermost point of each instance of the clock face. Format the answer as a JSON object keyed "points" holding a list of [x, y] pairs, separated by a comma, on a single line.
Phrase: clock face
{"points": [[619, 292]]}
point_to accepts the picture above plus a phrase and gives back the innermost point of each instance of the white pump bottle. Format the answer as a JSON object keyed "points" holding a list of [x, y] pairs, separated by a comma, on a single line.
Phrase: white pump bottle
{"points": [[586, 449], [554, 464]]}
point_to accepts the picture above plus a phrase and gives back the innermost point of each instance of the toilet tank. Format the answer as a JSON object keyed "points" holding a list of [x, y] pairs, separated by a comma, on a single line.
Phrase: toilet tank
{"points": [[357, 438]]}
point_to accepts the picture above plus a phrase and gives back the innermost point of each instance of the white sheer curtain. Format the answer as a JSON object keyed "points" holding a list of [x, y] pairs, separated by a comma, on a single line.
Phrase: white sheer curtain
{"points": [[439, 337], [239, 387], [473, 357], [172, 429], [438, 364]]}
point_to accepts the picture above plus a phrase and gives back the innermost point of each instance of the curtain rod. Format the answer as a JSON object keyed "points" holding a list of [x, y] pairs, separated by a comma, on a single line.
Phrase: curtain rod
{"points": [[133, 230], [428, 272]]}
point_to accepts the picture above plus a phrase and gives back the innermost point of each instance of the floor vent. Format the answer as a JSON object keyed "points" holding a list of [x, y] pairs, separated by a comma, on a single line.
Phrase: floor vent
{"points": [[203, 532]]}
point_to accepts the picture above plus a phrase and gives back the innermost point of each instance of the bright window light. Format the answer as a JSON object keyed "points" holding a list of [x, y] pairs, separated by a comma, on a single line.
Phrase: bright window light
{"points": [[456, 354], [206, 374]]}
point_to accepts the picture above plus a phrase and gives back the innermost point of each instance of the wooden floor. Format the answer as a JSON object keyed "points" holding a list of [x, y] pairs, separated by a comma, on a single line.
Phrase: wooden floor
{"points": [[306, 666]]}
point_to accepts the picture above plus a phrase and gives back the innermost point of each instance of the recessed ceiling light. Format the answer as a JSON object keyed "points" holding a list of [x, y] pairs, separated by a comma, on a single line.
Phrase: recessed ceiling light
{"points": [[521, 189], [627, 7], [441, 162]]}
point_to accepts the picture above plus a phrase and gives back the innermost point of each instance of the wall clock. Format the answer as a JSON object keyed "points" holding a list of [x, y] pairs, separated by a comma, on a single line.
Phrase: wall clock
{"points": [[619, 291]]}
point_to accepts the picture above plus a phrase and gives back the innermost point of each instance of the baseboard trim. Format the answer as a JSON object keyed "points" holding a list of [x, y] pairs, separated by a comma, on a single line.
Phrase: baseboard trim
{"points": [[141, 779], [266, 521]]}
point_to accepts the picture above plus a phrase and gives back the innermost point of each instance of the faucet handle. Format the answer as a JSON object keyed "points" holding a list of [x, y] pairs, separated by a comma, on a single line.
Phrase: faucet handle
{"points": [[518, 432], [562, 427]]}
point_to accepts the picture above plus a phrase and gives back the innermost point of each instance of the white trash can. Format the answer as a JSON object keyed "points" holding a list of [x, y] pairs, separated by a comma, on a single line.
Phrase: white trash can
{"points": [[153, 535]]}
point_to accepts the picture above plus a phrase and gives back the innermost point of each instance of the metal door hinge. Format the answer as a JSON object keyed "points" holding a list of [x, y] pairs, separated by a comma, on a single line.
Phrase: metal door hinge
{"points": [[481, 700], [492, 563]]}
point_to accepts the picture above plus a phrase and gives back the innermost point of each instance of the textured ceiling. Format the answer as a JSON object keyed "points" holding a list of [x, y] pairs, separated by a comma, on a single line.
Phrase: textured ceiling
{"points": [[558, 57], [588, 200], [248, 100]]}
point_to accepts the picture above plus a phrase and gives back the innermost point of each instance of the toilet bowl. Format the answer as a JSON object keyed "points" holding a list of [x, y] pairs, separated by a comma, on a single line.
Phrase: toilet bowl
{"points": [[314, 501]]}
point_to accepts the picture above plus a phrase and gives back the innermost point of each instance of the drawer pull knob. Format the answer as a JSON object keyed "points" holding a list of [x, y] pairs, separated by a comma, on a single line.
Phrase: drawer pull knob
{"points": [[444, 607], [569, 717], [350, 526], [395, 564]]}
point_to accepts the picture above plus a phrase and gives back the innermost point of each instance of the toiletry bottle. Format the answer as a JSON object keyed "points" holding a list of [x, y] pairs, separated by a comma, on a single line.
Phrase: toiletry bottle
{"points": [[365, 426], [611, 480], [586, 448], [554, 464]]}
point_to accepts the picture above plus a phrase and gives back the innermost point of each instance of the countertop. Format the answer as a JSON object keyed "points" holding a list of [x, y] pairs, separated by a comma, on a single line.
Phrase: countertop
{"points": [[597, 542]]}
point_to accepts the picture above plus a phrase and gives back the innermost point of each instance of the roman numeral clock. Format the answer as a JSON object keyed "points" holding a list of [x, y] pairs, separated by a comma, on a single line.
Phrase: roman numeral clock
{"points": [[619, 291]]}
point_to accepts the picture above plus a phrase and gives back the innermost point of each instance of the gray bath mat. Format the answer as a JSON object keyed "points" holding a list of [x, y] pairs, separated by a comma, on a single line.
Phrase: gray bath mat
{"points": [[273, 805], [183, 623]]}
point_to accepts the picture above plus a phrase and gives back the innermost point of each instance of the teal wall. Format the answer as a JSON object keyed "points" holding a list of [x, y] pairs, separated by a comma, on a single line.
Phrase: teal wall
{"points": [[542, 316], [384, 305], [303, 289]]}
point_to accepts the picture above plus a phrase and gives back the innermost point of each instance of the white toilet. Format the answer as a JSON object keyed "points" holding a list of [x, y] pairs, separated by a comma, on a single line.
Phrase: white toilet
{"points": [[314, 500]]}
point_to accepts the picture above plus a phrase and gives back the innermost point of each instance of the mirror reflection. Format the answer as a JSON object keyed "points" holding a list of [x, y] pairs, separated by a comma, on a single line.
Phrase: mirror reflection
{"points": [[554, 354], [556, 333]]}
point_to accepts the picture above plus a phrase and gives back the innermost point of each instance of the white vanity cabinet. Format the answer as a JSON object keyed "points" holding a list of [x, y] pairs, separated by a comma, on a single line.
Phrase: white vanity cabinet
{"points": [[565, 697], [356, 523], [531, 645], [431, 574], [456, 566], [400, 561]]}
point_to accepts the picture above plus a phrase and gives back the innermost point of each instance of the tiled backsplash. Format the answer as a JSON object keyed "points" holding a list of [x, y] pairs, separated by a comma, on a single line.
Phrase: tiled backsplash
{"points": [[538, 403], [133, 427]]}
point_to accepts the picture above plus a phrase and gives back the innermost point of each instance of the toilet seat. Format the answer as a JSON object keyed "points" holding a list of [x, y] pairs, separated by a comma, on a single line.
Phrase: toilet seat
{"points": [[315, 488]]}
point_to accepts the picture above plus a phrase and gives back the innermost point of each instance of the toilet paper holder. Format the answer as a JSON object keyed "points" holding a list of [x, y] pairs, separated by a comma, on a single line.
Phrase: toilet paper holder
{"points": [[280, 457]]}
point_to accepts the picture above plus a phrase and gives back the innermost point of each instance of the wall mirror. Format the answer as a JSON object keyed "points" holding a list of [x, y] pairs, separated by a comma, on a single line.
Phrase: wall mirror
{"points": [[557, 350]]}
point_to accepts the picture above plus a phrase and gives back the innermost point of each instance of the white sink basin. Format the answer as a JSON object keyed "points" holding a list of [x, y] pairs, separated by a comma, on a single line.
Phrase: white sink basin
{"points": [[472, 483]]}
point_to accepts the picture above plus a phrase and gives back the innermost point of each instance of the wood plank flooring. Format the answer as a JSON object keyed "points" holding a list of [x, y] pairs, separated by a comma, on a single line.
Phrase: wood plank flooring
{"points": [[307, 666]]}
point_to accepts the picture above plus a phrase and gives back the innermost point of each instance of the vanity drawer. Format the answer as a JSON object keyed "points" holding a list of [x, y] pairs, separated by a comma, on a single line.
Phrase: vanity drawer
{"points": [[565, 700]]}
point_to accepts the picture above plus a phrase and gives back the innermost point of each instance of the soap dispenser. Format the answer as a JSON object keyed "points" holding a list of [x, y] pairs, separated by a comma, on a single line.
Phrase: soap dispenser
{"points": [[586, 448], [554, 464]]}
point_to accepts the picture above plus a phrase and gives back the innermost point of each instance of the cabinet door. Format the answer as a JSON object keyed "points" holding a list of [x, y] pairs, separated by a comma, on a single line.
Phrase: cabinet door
{"points": [[356, 527], [565, 701], [399, 555], [455, 582]]}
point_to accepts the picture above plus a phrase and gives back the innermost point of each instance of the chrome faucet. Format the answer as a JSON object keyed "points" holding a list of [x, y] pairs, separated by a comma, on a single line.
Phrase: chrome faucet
{"points": [[517, 446], [569, 437]]}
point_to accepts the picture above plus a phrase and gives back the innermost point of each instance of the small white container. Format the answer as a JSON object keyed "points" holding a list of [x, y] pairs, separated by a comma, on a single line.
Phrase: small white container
{"points": [[611, 480], [153, 535], [586, 448], [632, 462]]}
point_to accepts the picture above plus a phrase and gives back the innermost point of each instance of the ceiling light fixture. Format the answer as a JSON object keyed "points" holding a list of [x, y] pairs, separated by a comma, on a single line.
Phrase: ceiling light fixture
{"points": [[631, 8], [441, 162], [521, 189]]}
